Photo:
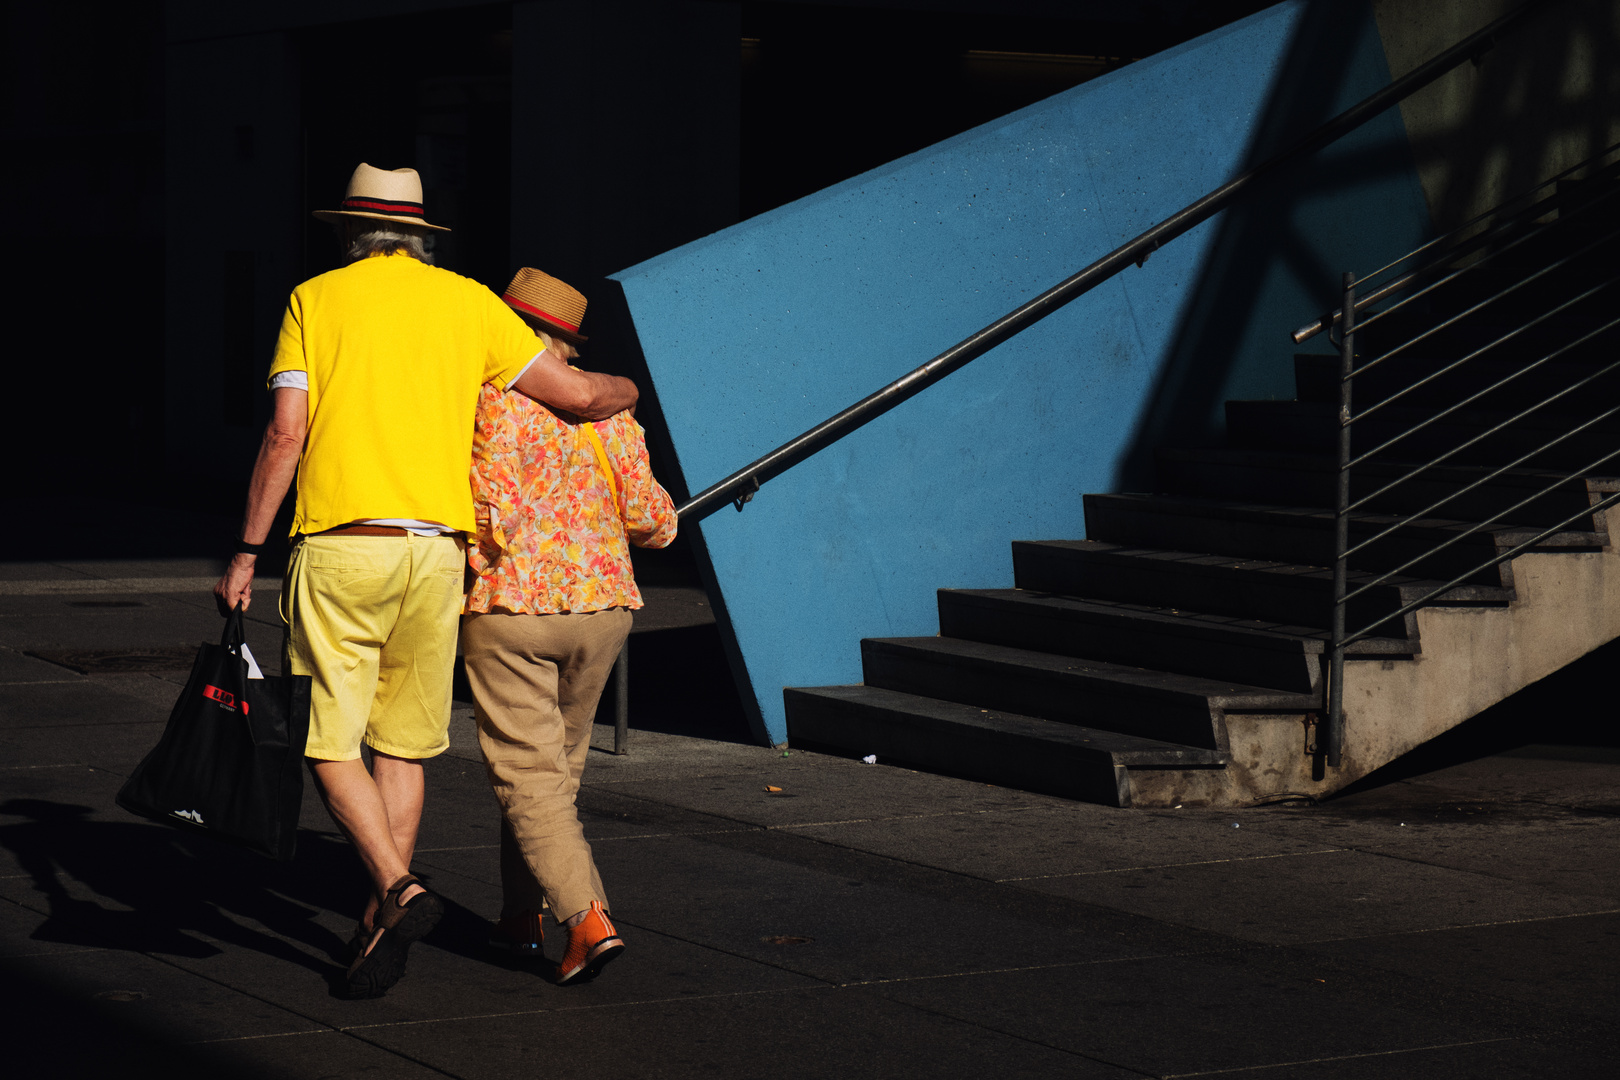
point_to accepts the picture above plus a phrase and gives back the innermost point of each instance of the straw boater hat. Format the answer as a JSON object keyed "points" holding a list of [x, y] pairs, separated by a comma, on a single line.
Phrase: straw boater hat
{"points": [[383, 195], [551, 305]]}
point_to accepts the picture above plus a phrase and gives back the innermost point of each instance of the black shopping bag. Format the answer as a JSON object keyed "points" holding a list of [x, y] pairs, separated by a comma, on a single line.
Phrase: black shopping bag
{"points": [[230, 763]]}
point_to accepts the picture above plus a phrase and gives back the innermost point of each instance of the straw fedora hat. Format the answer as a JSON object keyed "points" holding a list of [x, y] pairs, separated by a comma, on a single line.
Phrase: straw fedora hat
{"points": [[547, 303], [383, 195]]}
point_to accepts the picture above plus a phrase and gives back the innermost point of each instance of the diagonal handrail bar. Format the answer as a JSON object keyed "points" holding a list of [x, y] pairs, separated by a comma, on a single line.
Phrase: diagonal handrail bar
{"points": [[1419, 515], [1517, 549], [1585, 470], [1449, 258], [1475, 309], [741, 485], [1583, 339], [1483, 349], [1399, 480], [1394, 285]]}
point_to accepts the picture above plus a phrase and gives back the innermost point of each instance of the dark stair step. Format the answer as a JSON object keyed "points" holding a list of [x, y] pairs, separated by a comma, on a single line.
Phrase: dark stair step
{"points": [[1188, 643], [1306, 535], [1291, 595], [1316, 378], [1312, 479], [1217, 647], [981, 744], [1312, 427], [1153, 704]]}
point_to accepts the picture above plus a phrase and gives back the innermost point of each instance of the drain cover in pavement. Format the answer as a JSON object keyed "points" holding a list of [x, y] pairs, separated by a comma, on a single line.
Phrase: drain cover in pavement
{"points": [[120, 661]]}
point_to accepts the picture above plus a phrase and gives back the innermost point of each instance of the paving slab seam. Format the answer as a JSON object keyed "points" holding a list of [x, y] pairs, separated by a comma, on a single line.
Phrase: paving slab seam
{"points": [[270, 1035], [583, 1008], [53, 952], [1006, 1034], [999, 898], [130, 586], [1168, 866], [1340, 1057], [1405, 859], [1063, 965], [671, 835], [750, 826], [68, 765], [913, 817], [599, 780], [469, 847], [88, 724], [734, 994], [1453, 926]]}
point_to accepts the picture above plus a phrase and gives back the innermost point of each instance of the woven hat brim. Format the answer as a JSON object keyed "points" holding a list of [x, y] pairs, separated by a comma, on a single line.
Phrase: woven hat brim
{"points": [[573, 337], [336, 215]]}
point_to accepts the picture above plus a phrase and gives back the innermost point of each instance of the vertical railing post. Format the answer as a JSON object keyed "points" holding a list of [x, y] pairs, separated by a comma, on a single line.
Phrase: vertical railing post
{"points": [[621, 700], [1341, 528]]}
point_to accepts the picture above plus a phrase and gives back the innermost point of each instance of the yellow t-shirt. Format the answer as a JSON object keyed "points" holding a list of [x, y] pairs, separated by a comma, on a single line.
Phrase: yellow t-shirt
{"points": [[395, 351]]}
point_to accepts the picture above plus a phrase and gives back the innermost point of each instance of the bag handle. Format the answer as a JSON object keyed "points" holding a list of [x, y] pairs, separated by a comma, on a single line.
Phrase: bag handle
{"points": [[235, 633]]}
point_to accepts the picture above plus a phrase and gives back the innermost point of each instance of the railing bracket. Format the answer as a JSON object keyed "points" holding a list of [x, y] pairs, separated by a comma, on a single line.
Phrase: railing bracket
{"points": [[747, 496]]}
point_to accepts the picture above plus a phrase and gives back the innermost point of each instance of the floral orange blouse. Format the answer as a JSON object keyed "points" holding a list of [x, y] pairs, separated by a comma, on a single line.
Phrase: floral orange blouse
{"points": [[550, 538]]}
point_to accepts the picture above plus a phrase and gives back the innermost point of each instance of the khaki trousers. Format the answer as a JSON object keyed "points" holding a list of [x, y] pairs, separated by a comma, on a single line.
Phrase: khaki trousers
{"points": [[536, 680]]}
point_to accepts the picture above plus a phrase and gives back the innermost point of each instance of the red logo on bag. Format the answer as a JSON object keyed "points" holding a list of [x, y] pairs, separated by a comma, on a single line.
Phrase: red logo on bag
{"points": [[224, 697]]}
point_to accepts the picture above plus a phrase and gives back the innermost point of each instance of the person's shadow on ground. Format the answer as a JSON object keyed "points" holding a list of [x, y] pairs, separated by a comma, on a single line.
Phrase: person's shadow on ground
{"points": [[145, 888]]}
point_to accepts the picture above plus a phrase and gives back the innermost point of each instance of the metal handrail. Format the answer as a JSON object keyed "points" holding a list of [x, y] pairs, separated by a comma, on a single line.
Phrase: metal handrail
{"points": [[740, 486], [1450, 254], [1449, 454], [1483, 349], [1422, 515], [1512, 553], [1585, 470], [1460, 316], [1443, 413], [1341, 635], [1478, 483]]}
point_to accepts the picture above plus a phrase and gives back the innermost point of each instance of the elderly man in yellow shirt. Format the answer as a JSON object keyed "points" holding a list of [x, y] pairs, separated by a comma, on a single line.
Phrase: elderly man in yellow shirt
{"points": [[376, 379]]}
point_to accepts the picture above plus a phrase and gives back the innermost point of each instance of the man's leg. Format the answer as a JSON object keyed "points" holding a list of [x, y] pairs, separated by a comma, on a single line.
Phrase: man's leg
{"points": [[358, 804], [342, 600], [410, 712], [401, 784]]}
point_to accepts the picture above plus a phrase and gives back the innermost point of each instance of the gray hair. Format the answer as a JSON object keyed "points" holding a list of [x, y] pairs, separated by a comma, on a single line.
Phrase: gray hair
{"points": [[364, 237]]}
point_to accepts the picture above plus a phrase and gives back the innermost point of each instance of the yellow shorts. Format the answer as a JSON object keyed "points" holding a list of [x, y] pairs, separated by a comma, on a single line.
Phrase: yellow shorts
{"points": [[373, 620]]}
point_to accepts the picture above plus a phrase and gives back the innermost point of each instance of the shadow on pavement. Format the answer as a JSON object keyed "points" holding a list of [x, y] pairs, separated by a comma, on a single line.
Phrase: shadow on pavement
{"points": [[168, 893], [165, 888], [71, 1036]]}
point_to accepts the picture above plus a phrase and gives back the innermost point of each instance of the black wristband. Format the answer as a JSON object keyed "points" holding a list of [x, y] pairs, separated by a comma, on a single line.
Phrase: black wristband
{"points": [[245, 548]]}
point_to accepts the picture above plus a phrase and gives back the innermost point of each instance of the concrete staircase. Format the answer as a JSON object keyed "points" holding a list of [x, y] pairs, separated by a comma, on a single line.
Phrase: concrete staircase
{"points": [[1176, 655]]}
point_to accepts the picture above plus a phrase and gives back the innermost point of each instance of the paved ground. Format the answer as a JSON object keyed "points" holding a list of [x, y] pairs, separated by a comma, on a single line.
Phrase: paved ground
{"points": [[860, 921]]}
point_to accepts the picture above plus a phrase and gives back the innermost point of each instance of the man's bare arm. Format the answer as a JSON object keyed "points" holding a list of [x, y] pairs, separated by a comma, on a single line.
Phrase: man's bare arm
{"points": [[273, 474], [588, 394]]}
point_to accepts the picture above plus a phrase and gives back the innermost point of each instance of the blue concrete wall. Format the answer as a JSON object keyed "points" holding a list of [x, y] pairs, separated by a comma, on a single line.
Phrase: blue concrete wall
{"points": [[760, 331]]}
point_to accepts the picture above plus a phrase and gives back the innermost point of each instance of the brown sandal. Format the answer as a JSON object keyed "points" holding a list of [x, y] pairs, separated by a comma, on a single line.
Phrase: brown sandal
{"points": [[398, 924]]}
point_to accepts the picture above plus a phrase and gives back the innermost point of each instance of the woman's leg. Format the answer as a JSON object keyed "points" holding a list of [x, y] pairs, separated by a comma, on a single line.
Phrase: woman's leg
{"points": [[531, 676]]}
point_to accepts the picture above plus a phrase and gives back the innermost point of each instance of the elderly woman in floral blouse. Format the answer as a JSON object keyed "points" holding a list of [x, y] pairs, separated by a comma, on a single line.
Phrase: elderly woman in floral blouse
{"points": [[559, 504]]}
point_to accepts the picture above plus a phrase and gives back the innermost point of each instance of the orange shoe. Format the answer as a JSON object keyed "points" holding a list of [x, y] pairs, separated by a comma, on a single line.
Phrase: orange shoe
{"points": [[592, 942], [519, 935]]}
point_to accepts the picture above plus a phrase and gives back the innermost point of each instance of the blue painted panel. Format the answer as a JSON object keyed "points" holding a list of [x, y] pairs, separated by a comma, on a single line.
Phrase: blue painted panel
{"points": [[758, 332]]}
